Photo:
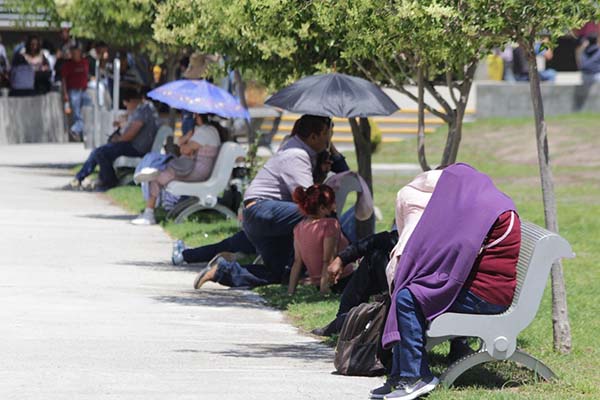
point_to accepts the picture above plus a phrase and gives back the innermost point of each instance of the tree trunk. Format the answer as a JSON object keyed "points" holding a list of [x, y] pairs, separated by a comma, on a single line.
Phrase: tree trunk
{"points": [[241, 90], [361, 132], [421, 122], [456, 119], [450, 140], [560, 317], [172, 64]]}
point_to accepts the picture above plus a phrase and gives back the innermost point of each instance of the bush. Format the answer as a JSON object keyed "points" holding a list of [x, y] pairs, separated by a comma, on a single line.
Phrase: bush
{"points": [[375, 135]]}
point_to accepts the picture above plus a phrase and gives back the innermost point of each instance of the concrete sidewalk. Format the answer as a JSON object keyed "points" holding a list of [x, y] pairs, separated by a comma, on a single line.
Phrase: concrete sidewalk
{"points": [[92, 308]]}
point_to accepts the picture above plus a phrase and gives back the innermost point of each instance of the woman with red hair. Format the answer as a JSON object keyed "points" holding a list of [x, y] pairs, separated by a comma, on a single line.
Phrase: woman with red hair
{"points": [[318, 238]]}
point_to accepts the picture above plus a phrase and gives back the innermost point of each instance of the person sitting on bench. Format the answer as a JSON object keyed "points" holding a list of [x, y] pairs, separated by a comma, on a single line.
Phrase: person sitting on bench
{"points": [[461, 257], [199, 149], [134, 140]]}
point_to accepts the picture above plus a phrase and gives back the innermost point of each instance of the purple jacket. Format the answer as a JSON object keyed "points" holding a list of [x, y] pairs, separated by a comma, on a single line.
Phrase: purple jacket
{"points": [[440, 254]]}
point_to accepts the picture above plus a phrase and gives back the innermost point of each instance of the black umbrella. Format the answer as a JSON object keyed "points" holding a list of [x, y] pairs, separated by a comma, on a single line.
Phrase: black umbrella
{"points": [[334, 95]]}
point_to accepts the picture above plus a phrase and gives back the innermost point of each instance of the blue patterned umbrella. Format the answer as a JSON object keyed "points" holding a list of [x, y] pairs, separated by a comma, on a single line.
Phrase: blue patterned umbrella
{"points": [[199, 96]]}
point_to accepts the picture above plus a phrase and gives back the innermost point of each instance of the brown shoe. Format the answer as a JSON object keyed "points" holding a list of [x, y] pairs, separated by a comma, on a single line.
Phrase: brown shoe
{"points": [[206, 274]]}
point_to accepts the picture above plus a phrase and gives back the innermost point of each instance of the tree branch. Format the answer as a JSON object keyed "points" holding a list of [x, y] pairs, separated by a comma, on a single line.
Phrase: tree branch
{"points": [[451, 86], [438, 97], [364, 71], [386, 70], [401, 68]]}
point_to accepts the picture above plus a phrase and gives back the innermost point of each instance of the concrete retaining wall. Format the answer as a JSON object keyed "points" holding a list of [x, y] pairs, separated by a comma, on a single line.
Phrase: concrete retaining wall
{"points": [[513, 99], [34, 119]]}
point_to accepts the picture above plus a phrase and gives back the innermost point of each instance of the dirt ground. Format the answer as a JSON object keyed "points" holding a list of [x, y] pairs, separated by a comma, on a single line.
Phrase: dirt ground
{"points": [[570, 143]]}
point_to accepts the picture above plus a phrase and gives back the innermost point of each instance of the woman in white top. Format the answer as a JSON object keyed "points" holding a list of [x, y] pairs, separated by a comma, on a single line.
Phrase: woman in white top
{"points": [[410, 205], [199, 149]]}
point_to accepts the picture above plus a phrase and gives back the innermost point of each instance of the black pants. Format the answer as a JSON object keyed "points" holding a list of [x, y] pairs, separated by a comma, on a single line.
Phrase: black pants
{"points": [[368, 279], [238, 242]]}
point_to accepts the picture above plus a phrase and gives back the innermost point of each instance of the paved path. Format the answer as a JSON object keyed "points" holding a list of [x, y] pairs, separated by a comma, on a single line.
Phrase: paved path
{"points": [[91, 308]]}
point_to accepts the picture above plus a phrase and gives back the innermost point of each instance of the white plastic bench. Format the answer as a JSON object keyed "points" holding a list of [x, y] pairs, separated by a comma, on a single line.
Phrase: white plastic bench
{"points": [[124, 162], [540, 248], [204, 195]]}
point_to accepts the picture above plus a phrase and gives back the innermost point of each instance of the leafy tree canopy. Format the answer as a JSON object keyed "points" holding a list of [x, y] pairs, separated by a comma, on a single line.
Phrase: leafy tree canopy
{"points": [[279, 40]]}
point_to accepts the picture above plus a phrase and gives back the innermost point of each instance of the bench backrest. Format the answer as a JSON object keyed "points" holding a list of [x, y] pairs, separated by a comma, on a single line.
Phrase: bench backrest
{"points": [[539, 249], [224, 163], [159, 139]]}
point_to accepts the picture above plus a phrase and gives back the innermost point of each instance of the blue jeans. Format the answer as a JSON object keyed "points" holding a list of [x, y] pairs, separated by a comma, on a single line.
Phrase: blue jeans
{"points": [[233, 274], [105, 156], [348, 224], [236, 243], [269, 224], [409, 355], [78, 98]]}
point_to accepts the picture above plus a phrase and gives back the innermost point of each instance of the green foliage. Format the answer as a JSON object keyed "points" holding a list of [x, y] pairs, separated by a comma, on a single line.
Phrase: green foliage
{"points": [[279, 41], [29, 10], [119, 22], [396, 37], [376, 136]]}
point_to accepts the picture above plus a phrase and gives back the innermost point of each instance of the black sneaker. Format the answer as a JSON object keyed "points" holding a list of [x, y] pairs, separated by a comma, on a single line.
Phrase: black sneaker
{"points": [[459, 348], [380, 392], [409, 390]]}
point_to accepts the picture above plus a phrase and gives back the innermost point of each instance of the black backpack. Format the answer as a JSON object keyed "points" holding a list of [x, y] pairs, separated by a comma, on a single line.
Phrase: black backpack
{"points": [[359, 351]]}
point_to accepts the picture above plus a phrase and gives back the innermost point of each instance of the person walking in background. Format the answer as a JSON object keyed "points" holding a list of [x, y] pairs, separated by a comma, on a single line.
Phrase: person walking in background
{"points": [[30, 70], [589, 60], [4, 66], [35, 57], [74, 85]]}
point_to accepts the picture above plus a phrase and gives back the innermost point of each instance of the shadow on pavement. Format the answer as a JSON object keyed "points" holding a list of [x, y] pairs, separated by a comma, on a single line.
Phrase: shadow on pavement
{"points": [[42, 165], [215, 298], [163, 265], [119, 217], [302, 351]]}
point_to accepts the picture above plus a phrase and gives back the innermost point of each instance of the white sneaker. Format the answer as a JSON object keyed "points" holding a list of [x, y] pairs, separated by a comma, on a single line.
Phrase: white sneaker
{"points": [[145, 218], [90, 184], [74, 184], [146, 174], [177, 255]]}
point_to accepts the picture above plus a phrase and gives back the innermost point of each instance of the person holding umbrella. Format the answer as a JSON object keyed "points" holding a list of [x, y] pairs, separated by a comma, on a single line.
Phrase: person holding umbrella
{"points": [[199, 149]]}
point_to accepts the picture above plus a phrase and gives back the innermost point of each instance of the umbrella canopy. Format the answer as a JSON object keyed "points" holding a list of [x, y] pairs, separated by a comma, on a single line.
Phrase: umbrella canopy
{"points": [[199, 96], [336, 95]]}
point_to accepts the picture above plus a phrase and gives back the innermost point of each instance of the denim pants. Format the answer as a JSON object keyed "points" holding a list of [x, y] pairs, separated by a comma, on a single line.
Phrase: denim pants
{"points": [[238, 242], [409, 355], [105, 156], [269, 224], [78, 98], [233, 274]]}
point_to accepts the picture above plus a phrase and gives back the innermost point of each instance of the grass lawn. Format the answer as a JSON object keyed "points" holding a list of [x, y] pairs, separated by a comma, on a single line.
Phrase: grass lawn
{"points": [[504, 149]]}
